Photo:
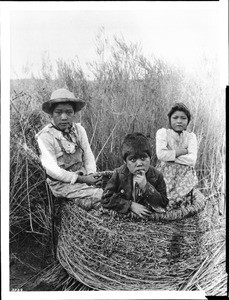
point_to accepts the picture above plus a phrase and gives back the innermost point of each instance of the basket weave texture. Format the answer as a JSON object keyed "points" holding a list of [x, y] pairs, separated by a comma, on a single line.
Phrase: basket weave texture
{"points": [[108, 251]]}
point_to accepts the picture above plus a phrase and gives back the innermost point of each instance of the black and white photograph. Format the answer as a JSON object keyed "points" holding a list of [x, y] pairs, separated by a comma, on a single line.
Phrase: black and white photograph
{"points": [[113, 149]]}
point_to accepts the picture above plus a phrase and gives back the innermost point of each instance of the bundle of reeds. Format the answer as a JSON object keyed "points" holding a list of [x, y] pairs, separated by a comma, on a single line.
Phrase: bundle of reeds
{"points": [[107, 251], [211, 275]]}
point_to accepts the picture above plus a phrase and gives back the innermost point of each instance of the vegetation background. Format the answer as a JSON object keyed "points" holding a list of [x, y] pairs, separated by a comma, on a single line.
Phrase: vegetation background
{"points": [[128, 93]]}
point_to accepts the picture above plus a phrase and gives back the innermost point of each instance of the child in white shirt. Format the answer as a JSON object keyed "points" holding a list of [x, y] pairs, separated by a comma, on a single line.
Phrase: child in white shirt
{"points": [[176, 149]]}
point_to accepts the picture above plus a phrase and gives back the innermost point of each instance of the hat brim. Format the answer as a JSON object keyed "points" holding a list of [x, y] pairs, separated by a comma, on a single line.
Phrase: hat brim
{"points": [[78, 104]]}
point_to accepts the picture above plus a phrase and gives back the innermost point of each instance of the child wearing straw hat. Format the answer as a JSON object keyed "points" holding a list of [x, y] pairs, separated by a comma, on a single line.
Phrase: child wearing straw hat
{"points": [[65, 151], [176, 149], [136, 186]]}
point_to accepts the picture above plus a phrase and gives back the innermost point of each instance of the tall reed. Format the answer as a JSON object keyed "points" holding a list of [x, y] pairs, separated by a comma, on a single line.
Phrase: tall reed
{"points": [[127, 93]]}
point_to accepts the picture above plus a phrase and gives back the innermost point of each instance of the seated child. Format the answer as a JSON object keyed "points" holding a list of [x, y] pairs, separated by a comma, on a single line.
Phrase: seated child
{"points": [[176, 149], [136, 186]]}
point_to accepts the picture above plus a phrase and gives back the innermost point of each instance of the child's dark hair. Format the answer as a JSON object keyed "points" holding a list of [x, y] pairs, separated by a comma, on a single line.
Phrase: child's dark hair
{"points": [[137, 144], [180, 107]]}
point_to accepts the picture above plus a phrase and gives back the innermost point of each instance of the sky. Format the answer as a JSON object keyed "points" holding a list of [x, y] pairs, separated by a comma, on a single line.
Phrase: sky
{"points": [[178, 32]]}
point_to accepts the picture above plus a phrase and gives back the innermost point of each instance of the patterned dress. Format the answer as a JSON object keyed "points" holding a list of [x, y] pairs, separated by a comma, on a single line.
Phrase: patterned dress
{"points": [[179, 173]]}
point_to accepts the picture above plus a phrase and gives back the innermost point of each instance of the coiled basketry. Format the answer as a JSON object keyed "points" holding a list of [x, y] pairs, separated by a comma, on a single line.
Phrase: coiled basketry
{"points": [[107, 251]]}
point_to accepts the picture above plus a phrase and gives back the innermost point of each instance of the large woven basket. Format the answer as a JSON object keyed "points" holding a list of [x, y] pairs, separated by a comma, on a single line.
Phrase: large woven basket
{"points": [[107, 251]]}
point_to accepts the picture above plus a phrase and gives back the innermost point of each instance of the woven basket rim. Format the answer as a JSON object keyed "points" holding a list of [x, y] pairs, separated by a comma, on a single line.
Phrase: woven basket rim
{"points": [[199, 202]]}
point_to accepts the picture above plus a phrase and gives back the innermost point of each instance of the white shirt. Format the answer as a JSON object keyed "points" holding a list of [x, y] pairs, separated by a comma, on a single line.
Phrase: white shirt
{"points": [[167, 141], [50, 150]]}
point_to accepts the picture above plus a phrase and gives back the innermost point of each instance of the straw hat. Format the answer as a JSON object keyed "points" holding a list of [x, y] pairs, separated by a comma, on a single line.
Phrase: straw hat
{"points": [[61, 96]]}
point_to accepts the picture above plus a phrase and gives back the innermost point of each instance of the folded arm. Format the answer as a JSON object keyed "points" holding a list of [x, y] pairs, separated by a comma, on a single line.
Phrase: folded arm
{"points": [[191, 156], [162, 151], [186, 156]]}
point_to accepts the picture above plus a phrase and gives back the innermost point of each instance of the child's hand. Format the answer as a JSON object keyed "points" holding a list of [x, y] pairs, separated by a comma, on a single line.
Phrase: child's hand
{"points": [[98, 179], [90, 179], [139, 210], [140, 179]]}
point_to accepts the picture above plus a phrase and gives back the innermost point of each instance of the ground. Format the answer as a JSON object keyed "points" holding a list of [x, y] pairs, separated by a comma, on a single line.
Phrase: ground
{"points": [[28, 257], [31, 258]]}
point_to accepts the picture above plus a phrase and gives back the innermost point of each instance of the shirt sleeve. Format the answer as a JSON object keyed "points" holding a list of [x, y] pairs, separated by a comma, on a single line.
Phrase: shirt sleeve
{"points": [[49, 161], [88, 157], [190, 158], [162, 151]]}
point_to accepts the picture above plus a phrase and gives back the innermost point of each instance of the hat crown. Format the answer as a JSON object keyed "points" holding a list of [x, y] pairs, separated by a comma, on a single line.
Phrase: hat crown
{"points": [[62, 94]]}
